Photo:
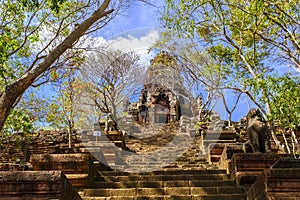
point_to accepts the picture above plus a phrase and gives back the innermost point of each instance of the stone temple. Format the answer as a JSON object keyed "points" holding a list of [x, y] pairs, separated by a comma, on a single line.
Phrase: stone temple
{"points": [[163, 98], [158, 152]]}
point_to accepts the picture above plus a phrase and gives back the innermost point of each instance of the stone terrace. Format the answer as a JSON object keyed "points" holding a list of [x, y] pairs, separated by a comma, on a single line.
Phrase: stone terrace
{"points": [[207, 169]]}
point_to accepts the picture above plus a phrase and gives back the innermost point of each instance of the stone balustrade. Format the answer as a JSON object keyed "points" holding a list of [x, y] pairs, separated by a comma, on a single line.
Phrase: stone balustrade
{"points": [[77, 167], [281, 181], [36, 185], [246, 167]]}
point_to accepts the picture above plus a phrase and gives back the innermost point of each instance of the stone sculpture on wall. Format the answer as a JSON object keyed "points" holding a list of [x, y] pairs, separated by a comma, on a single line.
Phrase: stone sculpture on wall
{"points": [[110, 123], [258, 132], [173, 109]]}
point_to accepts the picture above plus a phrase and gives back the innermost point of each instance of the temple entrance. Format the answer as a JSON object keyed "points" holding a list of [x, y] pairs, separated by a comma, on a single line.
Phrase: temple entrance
{"points": [[162, 110], [156, 104]]}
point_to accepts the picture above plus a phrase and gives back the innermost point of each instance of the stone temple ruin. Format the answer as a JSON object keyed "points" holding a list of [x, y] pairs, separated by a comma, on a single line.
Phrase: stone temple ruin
{"points": [[162, 97], [156, 152]]}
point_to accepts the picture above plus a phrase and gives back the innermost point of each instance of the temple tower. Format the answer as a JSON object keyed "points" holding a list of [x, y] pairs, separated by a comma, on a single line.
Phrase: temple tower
{"points": [[163, 98]]}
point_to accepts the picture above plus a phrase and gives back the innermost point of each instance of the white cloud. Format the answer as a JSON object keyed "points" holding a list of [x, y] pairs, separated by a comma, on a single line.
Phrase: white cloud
{"points": [[99, 41], [135, 40], [138, 40]]}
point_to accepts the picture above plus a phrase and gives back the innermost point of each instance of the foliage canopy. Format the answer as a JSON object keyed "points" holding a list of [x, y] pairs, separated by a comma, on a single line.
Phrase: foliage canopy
{"points": [[254, 45]]}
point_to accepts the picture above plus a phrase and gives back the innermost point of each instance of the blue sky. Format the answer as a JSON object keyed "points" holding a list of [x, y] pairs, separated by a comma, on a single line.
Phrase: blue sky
{"points": [[138, 15]]}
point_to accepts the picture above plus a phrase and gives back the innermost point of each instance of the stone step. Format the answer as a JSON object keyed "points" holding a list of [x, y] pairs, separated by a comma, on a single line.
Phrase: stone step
{"points": [[79, 180], [193, 191], [173, 197], [167, 183], [206, 142], [215, 158], [160, 159], [189, 166], [219, 197], [142, 169], [192, 164], [161, 164], [174, 168], [195, 159], [189, 158], [212, 183], [162, 177], [166, 172]]}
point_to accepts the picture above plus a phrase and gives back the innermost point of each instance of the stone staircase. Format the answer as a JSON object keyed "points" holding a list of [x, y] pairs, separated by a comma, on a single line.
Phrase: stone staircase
{"points": [[165, 184], [159, 161], [167, 165]]}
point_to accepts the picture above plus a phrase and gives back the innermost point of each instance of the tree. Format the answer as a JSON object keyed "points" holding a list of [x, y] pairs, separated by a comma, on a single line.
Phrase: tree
{"points": [[285, 100], [226, 104], [35, 35], [111, 76], [19, 121], [244, 26], [248, 40], [65, 108], [28, 115]]}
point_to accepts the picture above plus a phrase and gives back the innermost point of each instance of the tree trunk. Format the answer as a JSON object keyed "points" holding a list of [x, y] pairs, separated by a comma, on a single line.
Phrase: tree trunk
{"points": [[295, 141], [114, 109], [70, 129], [14, 90], [286, 144], [229, 119], [274, 137]]}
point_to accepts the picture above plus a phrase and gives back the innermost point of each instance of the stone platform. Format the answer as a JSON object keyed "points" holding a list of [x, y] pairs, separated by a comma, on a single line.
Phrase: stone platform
{"points": [[77, 167], [281, 181], [36, 185]]}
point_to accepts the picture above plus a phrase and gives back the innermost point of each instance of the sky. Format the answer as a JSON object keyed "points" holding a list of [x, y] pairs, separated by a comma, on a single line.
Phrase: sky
{"points": [[134, 29], [138, 16]]}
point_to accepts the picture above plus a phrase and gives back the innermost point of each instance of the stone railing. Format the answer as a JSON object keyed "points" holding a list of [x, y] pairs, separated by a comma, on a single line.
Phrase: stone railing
{"points": [[78, 167], [227, 153], [246, 167], [281, 181], [36, 185]]}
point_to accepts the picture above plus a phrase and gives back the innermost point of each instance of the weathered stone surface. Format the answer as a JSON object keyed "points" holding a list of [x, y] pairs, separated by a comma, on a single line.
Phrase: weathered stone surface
{"points": [[276, 183], [75, 158], [79, 164], [17, 148], [287, 163], [36, 185], [258, 132], [226, 156], [247, 167], [181, 179], [178, 191]]}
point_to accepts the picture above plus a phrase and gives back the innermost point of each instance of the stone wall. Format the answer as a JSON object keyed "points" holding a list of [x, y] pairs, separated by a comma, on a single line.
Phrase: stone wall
{"points": [[36, 185], [78, 167], [278, 182], [18, 148], [228, 152], [246, 167]]}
